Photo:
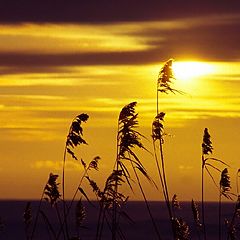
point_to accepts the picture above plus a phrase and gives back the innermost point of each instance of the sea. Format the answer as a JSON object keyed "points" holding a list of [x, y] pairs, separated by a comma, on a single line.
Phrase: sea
{"points": [[136, 224]]}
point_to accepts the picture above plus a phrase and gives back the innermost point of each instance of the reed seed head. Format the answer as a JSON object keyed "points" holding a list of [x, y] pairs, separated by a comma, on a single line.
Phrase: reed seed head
{"points": [[231, 228], [128, 138], [94, 187], [127, 112], [238, 206], [110, 193], [196, 215], [181, 229], [206, 144], [94, 163], [166, 77], [157, 127], [75, 135], [80, 213], [175, 202], [225, 185], [51, 192]]}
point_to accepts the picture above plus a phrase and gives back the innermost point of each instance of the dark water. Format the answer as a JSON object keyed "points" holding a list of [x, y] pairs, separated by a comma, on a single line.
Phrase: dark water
{"points": [[11, 214]]}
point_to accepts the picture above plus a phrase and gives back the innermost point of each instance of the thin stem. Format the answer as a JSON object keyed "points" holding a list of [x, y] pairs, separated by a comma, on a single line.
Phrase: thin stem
{"points": [[219, 215], [68, 208], [114, 216], [63, 173], [102, 223], [50, 228], [237, 176], [114, 210], [60, 221], [232, 221], [79, 185], [163, 177], [99, 219], [146, 202], [26, 229], [63, 192], [159, 171], [37, 215], [157, 98], [166, 190], [203, 212]]}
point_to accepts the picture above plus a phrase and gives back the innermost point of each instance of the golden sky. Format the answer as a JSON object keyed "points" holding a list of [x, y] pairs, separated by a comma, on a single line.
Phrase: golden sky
{"points": [[52, 70]]}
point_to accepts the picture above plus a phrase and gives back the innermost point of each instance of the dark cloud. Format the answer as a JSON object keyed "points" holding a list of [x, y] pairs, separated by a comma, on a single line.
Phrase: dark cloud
{"points": [[21, 69], [104, 58], [207, 40], [206, 43], [95, 11], [213, 43]]}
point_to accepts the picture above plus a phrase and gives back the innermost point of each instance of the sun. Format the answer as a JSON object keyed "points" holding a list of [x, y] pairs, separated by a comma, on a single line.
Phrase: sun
{"points": [[188, 70]]}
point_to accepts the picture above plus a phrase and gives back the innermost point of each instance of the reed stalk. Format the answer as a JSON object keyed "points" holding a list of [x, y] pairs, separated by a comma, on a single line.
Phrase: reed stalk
{"points": [[164, 82]]}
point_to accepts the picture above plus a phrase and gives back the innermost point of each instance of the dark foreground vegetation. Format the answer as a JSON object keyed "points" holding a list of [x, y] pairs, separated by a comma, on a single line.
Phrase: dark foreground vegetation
{"points": [[112, 205]]}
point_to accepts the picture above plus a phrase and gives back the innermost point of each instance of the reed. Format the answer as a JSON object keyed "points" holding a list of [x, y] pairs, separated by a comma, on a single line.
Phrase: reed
{"points": [[164, 85], [232, 225], [206, 150], [224, 188], [196, 217], [208, 164], [128, 138], [129, 170], [80, 214]]}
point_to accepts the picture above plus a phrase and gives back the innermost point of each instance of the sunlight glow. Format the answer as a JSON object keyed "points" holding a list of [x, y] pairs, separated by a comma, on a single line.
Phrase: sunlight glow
{"points": [[187, 71]]}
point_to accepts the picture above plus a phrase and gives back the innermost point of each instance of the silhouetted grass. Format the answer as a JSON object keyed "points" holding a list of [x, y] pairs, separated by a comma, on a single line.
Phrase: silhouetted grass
{"points": [[128, 167]]}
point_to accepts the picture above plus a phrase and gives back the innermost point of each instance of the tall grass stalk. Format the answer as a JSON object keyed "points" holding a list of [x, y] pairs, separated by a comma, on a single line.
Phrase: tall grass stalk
{"points": [[157, 135], [63, 189], [219, 216], [202, 201], [206, 150], [224, 189], [92, 165], [52, 195], [38, 212], [37, 215], [164, 82], [80, 215], [207, 162], [181, 228], [74, 138], [129, 138], [49, 226], [237, 181], [146, 202], [196, 217], [231, 233]]}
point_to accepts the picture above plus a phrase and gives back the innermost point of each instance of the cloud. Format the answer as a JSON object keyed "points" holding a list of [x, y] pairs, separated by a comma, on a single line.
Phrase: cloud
{"points": [[185, 168], [106, 11], [68, 38], [56, 165], [129, 43], [102, 92]]}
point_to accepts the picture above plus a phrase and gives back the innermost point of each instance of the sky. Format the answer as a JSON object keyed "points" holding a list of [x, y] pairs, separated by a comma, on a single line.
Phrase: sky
{"points": [[60, 59]]}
